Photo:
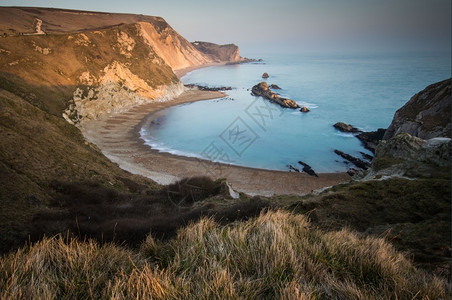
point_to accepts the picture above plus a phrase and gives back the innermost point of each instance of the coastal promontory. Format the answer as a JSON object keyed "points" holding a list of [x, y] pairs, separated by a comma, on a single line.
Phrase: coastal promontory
{"points": [[426, 115]]}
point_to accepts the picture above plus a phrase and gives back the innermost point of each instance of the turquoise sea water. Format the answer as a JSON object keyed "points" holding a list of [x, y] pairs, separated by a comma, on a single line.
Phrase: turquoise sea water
{"points": [[363, 90]]}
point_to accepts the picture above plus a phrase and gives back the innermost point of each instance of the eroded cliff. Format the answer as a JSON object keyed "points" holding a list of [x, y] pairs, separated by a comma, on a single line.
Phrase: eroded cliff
{"points": [[426, 115], [82, 65]]}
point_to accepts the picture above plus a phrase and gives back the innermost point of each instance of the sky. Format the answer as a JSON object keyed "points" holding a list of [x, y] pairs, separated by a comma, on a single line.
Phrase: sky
{"points": [[292, 25]]}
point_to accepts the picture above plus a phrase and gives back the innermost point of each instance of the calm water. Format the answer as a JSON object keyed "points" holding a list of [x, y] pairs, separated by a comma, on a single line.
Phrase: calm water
{"points": [[363, 90]]}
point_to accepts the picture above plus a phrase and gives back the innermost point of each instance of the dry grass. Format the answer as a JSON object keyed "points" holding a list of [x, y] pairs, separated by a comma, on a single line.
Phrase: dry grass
{"points": [[276, 255]]}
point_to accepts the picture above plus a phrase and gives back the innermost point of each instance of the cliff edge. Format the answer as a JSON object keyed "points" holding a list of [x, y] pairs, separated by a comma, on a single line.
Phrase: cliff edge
{"points": [[426, 115], [83, 65], [417, 143]]}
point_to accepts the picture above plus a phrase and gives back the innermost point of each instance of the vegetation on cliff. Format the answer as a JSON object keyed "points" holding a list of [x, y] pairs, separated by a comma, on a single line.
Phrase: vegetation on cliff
{"points": [[276, 255]]}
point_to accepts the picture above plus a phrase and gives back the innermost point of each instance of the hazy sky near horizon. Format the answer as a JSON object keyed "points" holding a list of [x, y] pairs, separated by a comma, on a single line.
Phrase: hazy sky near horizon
{"points": [[292, 25]]}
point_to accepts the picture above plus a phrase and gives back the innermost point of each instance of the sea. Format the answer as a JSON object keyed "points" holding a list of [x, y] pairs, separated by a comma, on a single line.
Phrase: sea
{"points": [[363, 90]]}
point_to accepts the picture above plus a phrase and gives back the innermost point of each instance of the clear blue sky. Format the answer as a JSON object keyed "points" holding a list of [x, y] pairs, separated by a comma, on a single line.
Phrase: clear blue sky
{"points": [[292, 25]]}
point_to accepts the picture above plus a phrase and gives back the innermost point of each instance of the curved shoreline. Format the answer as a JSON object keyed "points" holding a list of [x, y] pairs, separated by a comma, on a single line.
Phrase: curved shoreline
{"points": [[118, 137]]}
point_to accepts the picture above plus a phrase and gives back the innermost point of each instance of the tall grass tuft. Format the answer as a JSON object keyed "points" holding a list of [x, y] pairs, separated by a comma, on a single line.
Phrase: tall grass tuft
{"points": [[276, 255]]}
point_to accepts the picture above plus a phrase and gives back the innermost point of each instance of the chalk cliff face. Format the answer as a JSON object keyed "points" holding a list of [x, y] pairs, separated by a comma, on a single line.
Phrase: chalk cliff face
{"points": [[219, 53], [426, 115], [91, 63]]}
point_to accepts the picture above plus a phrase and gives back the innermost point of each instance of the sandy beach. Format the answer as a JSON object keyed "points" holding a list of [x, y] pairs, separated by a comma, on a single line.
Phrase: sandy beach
{"points": [[119, 139]]}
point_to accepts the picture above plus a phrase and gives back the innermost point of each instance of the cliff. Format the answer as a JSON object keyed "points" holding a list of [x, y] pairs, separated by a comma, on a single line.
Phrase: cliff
{"points": [[220, 53], [426, 115], [406, 155], [90, 63], [417, 143], [58, 68]]}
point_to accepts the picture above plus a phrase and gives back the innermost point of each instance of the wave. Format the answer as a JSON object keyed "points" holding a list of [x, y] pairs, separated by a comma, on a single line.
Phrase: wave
{"points": [[155, 144], [307, 104], [345, 134]]}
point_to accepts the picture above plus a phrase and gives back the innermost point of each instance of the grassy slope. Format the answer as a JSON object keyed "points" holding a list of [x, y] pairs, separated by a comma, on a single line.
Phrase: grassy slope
{"points": [[36, 149], [413, 214], [38, 146], [277, 255]]}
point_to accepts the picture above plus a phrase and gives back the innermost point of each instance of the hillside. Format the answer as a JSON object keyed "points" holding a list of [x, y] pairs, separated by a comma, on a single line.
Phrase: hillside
{"points": [[190, 239], [80, 65]]}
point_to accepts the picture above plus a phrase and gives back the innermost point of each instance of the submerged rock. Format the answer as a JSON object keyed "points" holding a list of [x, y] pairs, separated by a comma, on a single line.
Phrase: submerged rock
{"points": [[263, 90], [265, 75]]}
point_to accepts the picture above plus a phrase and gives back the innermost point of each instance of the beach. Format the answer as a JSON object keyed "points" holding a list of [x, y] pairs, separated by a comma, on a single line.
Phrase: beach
{"points": [[118, 137]]}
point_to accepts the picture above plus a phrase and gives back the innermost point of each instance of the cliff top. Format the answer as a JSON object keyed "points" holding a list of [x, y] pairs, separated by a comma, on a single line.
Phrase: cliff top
{"points": [[26, 20]]}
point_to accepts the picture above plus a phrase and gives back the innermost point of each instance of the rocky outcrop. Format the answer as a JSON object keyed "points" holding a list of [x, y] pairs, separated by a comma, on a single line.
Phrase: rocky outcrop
{"points": [[371, 139], [208, 88], [307, 168], [264, 91], [426, 115], [406, 155], [304, 109], [356, 161], [265, 75], [292, 168], [341, 126], [219, 53]]}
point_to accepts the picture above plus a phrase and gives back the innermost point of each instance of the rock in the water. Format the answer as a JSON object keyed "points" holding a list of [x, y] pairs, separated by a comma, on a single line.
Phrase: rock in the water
{"points": [[341, 126], [265, 75], [292, 168], [426, 115], [356, 161], [274, 87], [207, 88], [307, 168], [366, 156], [370, 139], [263, 90], [304, 109]]}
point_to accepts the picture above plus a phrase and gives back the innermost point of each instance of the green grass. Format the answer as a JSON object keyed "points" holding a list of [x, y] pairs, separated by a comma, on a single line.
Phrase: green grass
{"points": [[277, 255]]}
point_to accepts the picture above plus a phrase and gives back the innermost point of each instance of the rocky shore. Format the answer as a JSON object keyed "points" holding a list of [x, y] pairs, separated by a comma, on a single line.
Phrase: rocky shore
{"points": [[208, 88]]}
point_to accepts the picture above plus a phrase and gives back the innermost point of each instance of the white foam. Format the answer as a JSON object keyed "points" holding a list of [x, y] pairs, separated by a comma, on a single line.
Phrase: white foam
{"points": [[344, 134]]}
